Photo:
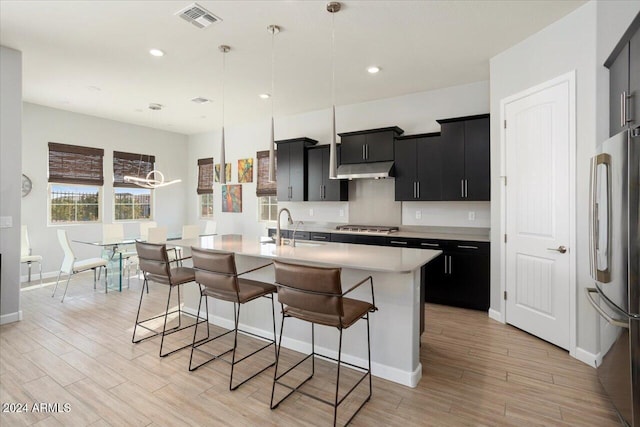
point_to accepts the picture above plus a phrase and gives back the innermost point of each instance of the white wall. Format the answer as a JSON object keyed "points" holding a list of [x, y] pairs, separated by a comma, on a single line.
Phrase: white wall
{"points": [[370, 201], [10, 181], [576, 42], [42, 125]]}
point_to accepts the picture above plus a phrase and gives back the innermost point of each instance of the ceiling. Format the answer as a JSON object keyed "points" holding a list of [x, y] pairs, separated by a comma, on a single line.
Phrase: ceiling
{"points": [[92, 57]]}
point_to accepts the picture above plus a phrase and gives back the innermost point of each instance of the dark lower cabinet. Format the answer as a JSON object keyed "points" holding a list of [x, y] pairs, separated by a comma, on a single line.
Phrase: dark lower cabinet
{"points": [[460, 276]]}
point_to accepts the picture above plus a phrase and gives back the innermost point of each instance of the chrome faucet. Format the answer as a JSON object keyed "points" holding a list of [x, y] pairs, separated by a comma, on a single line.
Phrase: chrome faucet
{"points": [[293, 236], [278, 238]]}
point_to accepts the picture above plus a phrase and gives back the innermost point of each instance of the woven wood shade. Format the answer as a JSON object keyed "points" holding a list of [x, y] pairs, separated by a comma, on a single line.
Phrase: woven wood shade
{"points": [[130, 164], [264, 187], [205, 176], [73, 164]]}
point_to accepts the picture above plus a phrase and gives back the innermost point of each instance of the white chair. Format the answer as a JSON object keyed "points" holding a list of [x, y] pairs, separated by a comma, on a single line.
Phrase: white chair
{"points": [[114, 233], [144, 229], [158, 235], [210, 227], [71, 266], [25, 252], [190, 231]]}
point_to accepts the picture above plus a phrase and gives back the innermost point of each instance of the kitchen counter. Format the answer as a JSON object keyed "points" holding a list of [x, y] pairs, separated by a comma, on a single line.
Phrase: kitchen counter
{"points": [[395, 327]]}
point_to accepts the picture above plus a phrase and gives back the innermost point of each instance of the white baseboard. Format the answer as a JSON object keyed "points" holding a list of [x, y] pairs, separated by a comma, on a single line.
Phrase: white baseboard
{"points": [[590, 359], [11, 317], [495, 315], [407, 378]]}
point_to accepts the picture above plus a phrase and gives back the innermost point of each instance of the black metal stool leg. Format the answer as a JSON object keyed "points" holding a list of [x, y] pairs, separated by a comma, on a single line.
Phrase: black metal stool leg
{"points": [[275, 372], [166, 314], [133, 338], [335, 407], [195, 330], [236, 318]]}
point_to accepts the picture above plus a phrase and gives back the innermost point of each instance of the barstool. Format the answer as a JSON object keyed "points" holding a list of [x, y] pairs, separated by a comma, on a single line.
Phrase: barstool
{"points": [[154, 263], [217, 276], [314, 294]]}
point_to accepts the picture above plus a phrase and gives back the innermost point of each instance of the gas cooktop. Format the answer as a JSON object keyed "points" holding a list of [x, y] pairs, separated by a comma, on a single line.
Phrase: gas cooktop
{"points": [[385, 229]]}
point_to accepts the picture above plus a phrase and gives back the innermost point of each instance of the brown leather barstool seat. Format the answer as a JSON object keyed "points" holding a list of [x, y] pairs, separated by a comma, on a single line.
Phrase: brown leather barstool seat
{"points": [[314, 294], [216, 273], [155, 265]]}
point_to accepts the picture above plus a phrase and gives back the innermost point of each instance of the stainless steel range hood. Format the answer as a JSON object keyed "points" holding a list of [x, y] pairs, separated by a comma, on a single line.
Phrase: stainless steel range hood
{"points": [[375, 170]]}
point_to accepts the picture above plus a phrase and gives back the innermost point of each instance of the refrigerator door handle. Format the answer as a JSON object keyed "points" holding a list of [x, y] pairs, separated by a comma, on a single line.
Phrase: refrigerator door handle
{"points": [[615, 322], [600, 218]]}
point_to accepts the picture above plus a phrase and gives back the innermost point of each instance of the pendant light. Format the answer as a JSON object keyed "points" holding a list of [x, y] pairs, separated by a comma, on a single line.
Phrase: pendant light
{"points": [[154, 179], [273, 30], [333, 8], [223, 169]]}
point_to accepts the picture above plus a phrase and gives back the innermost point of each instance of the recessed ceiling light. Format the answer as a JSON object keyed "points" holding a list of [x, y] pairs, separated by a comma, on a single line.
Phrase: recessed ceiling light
{"points": [[156, 52], [265, 96], [373, 69]]}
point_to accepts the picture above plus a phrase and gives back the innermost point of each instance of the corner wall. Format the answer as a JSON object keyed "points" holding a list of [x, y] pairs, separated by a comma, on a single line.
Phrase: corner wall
{"points": [[10, 181]]}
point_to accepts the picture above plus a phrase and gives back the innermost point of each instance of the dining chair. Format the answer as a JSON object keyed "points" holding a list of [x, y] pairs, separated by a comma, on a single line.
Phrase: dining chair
{"points": [[144, 229], [210, 227], [71, 265], [159, 235], [216, 273], [314, 294], [156, 267], [26, 257], [190, 231]]}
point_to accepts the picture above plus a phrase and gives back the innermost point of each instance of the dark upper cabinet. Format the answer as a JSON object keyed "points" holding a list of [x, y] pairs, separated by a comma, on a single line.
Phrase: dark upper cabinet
{"points": [[319, 186], [624, 81], [465, 151], [418, 167], [375, 145], [292, 168]]}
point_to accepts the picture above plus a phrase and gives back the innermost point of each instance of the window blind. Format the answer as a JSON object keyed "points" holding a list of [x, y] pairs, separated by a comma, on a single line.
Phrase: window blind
{"points": [[264, 187], [130, 164], [205, 176], [73, 164]]}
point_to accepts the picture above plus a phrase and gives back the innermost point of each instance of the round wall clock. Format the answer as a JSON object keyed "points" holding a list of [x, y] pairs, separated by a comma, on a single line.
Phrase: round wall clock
{"points": [[26, 185]]}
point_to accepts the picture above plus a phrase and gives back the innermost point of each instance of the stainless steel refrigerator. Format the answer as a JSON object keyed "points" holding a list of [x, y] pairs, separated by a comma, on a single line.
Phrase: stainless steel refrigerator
{"points": [[615, 262]]}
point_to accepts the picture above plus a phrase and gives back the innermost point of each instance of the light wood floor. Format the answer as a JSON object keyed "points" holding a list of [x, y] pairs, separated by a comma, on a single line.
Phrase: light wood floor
{"points": [[475, 372]]}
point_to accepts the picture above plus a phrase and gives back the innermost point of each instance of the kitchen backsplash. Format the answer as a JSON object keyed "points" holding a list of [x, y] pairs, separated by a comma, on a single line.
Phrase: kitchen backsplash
{"points": [[371, 202]]}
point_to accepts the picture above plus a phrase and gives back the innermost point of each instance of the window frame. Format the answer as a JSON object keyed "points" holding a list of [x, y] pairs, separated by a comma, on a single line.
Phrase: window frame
{"points": [[200, 205], [100, 203], [270, 204]]}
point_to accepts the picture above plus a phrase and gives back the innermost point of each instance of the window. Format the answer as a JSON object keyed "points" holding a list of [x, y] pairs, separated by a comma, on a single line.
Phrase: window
{"points": [[75, 180], [206, 205], [267, 208], [74, 203], [131, 202], [205, 187], [266, 190]]}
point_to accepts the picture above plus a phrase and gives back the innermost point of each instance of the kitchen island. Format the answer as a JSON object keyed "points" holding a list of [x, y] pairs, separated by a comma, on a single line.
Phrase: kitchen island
{"points": [[395, 327]]}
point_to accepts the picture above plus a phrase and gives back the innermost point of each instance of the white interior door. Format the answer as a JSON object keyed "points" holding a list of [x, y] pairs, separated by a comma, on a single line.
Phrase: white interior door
{"points": [[537, 216]]}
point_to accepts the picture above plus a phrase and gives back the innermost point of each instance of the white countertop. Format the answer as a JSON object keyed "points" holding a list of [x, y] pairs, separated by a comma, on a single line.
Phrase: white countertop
{"points": [[409, 234], [363, 257]]}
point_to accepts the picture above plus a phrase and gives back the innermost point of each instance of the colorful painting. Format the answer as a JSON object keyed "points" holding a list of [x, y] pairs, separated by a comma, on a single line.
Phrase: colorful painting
{"points": [[227, 169], [245, 170], [232, 198]]}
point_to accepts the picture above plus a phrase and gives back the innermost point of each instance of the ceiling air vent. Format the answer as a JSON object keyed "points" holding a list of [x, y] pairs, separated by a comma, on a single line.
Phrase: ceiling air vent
{"points": [[200, 100], [198, 15]]}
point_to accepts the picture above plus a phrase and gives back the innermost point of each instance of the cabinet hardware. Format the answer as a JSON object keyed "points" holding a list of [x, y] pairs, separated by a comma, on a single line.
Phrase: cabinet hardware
{"points": [[396, 242], [462, 188], [449, 264], [623, 108], [319, 237], [505, 124], [504, 295], [418, 189], [433, 245], [414, 189], [467, 247], [465, 188], [445, 264], [363, 152], [366, 151], [505, 238]]}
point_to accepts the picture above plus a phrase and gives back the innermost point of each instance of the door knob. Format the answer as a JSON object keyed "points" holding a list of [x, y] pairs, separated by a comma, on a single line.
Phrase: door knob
{"points": [[561, 249]]}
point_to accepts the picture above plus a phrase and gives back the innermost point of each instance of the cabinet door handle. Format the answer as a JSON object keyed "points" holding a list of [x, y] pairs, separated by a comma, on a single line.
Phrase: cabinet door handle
{"points": [[319, 237], [432, 245], [467, 247], [465, 188], [363, 154], [366, 151], [414, 189], [397, 242], [462, 188], [623, 108], [445, 264], [449, 264], [418, 190]]}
